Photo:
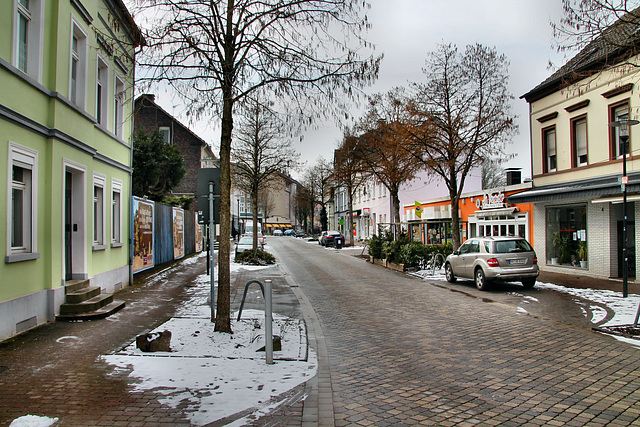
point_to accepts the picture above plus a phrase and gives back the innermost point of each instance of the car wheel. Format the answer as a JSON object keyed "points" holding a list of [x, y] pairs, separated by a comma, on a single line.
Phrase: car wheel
{"points": [[528, 283], [448, 271], [481, 280]]}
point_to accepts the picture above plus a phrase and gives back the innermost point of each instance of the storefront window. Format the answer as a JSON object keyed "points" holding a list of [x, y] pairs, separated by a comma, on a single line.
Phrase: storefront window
{"points": [[567, 235]]}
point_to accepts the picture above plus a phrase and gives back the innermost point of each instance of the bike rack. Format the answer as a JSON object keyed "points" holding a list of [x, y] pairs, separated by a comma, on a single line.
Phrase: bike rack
{"points": [[433, 262], [268, 317], [244, 296]]}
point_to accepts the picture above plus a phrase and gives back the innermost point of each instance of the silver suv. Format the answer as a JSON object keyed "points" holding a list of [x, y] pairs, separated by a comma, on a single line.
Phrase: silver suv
{"points": [[484, 259]]}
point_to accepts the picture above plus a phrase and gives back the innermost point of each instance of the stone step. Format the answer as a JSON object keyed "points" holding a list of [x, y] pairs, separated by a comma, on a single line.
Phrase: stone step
{"points": [[83, 294], [91, 304], [72, 286], [100, 313]]}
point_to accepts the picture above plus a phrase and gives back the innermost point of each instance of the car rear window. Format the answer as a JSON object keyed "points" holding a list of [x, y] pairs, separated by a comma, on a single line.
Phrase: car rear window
{"points": [[509, 246]]}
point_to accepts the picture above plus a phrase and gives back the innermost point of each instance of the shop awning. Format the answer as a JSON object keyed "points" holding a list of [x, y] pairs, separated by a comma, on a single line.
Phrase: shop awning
{"points": [[271, 224], [494, 212], [588, 188], [616, 199]]}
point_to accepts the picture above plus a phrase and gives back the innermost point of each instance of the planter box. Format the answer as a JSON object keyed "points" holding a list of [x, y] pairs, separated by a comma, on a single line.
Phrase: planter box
{"points": [[397, 267]]}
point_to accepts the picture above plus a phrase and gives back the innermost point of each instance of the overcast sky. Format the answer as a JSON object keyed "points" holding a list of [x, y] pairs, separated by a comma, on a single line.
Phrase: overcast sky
{"points": [[406, 30]]}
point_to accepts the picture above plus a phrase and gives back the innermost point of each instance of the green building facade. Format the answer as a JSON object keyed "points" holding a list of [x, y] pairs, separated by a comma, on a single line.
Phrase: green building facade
{"points": [[66, 104]]}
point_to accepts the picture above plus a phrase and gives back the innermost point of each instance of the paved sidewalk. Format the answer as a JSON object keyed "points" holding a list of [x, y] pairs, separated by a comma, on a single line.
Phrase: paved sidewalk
{"points": [[54, 370]]}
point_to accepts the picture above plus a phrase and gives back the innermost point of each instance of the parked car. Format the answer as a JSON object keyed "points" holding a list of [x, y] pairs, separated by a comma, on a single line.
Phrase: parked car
{"points": [[289, 232], [260, 237], [487, 259], [300, 233], [277, 232], [330, 238], [324, 233], [246, 244]]}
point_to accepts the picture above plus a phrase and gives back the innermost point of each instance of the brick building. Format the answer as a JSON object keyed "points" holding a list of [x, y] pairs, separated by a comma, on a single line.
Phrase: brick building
{"points": [[197, 153]]}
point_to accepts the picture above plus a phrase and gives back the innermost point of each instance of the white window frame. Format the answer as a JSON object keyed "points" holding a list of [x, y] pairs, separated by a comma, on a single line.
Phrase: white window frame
{"points": [[116, 213], [165, 131], [621, 112], [78, 85], [119, 96], [98, 211], [550, 152], [102, 91], [579, 130], [25, 158], [29, 59]]}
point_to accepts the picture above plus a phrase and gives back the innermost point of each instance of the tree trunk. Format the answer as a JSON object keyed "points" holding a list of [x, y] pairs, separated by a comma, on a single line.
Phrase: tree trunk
{"points": [[396, 206], [223, 312], [254, 217], [455, 220], [349, 219]]}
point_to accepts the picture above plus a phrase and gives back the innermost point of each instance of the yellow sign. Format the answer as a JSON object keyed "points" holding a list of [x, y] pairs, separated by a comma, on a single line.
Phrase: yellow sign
{"points": [[418, 210]]}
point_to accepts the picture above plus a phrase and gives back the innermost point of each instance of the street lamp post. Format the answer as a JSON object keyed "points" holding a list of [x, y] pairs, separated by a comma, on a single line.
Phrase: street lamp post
{"points": [[623, 126]]}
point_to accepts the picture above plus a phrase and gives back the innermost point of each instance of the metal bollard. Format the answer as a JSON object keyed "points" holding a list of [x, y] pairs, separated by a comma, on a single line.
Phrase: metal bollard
{"points": [[268, 330]]}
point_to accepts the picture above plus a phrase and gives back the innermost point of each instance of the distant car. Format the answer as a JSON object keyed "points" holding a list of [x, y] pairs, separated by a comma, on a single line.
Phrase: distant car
{"points": [[324, 233], [300, 233], [330, 238], [289, 232], [277, 232], [487, 259], [246, 244]]}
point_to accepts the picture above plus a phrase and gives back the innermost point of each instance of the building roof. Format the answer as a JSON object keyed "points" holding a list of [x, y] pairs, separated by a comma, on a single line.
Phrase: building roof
{"points": [[146, 99], [120, 9], [614, 45]]}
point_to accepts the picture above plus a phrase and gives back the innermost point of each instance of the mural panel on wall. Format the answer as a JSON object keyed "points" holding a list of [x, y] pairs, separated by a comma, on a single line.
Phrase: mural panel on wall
{"points": [[178, 233], [142, 234]]}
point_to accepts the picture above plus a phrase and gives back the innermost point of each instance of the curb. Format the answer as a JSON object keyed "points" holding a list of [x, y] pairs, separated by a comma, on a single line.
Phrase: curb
{"points": [[318, 406]]}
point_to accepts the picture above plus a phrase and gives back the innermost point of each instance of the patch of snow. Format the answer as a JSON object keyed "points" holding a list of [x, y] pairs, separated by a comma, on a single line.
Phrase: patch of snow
{"points": [[33, 421], [215, 375], [598, 314], [624, 308]]}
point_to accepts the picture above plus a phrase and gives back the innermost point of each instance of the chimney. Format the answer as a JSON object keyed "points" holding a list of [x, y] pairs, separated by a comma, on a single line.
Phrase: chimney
{"points": [[514, 176]]}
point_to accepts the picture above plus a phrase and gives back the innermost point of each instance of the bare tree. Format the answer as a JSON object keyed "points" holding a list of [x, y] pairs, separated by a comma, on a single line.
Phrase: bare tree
{"points": [[309, 53], [461, 116], [304, 206], [349, 172], [612, 22], [259, 154], [601, 35], [318, 180], [493, 174], [383, 145]]}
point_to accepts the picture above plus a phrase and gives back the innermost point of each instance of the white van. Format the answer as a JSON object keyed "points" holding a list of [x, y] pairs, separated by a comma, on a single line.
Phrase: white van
{"points": [[248, 228]]}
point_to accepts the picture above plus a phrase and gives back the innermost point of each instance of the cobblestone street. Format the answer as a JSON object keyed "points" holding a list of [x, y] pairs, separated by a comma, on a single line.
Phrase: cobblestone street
{"points": [[404, 352]]}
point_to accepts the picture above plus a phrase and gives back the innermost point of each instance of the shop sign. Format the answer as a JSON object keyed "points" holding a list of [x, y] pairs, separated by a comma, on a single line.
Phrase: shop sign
{"points": [[365, 211], [491, 201]]}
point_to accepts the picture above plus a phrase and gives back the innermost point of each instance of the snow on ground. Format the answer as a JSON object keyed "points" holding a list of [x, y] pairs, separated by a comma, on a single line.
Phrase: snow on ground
{"points": [[214, 375], [33, 421], [624, 309]]}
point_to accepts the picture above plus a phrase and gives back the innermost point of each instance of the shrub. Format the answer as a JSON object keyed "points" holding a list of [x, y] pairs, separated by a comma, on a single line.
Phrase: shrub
{"points": [[255, 258], [375, 246]]}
